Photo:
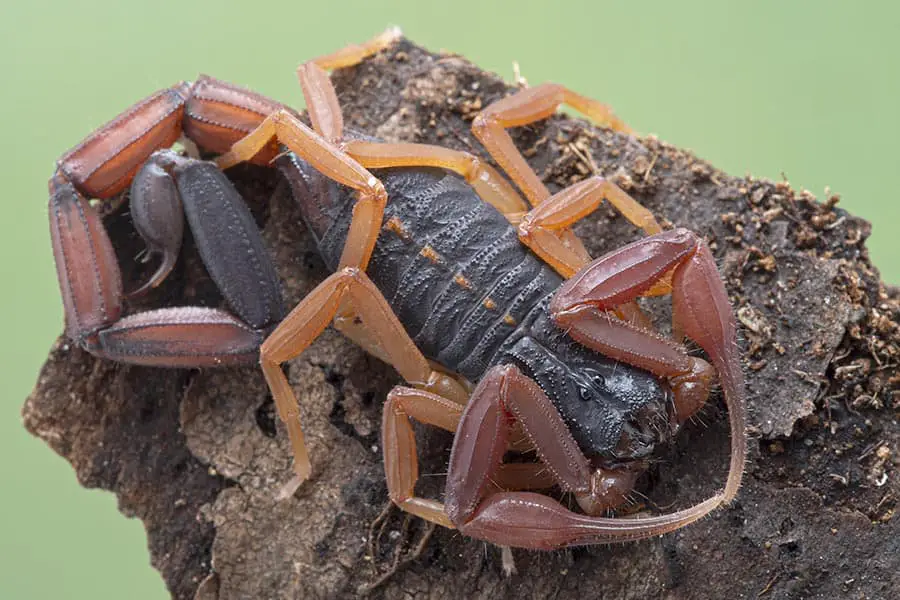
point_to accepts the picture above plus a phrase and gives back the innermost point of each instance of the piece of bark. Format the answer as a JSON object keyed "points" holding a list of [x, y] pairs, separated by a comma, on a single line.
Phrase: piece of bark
{"points": [[198, 456]]}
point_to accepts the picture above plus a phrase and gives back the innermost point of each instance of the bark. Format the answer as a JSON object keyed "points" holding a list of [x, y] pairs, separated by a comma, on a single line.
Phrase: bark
{"points": [[198, 456]]}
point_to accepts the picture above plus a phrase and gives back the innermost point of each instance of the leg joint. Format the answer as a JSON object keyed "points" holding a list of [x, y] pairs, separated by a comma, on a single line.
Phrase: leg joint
{"points": [[685, 236], [353, 273], [375, 192], [483, 121]]}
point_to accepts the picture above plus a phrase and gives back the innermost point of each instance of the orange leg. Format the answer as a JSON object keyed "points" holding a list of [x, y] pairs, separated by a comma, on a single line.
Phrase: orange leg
{"points": [[526, 107], [332, 162], [523, 108], [352, 326], [356, 53], [321, 101], [401, 464], [540, 227], [325, 116], [349, 293], [307, 321], [487, 183]]}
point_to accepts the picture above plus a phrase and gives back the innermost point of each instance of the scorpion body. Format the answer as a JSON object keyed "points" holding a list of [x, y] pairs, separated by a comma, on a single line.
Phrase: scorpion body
{"points": [[505, 329], [471, 297]]}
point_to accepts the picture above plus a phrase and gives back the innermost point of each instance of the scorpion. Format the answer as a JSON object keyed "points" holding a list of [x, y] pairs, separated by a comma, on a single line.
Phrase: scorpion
{"points": [[506, 331]]}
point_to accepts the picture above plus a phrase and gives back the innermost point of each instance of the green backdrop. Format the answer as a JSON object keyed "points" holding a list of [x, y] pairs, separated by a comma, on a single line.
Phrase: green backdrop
{"points": [[805, 89]]}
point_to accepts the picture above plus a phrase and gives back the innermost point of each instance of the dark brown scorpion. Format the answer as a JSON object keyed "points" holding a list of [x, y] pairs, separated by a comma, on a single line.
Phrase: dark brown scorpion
{"points": [[442, 270]]}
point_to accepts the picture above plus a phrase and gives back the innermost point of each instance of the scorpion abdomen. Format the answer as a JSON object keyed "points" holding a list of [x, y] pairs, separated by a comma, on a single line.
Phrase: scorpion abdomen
{"points": [[451, 267]]}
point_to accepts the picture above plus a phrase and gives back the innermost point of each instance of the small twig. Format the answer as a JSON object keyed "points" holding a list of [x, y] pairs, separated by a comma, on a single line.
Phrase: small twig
{"points": [[398, 564], [768, 587], [646, 174], [869, 450], [586, 159], [381, 520]]}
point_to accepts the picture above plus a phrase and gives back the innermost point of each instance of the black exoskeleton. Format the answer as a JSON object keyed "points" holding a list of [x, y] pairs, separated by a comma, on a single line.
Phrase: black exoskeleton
{"points": [[472, 296]]}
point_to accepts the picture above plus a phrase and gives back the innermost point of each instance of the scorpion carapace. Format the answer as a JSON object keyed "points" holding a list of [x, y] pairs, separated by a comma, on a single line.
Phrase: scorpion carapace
{"points": [[616, 413], [545, 346]]}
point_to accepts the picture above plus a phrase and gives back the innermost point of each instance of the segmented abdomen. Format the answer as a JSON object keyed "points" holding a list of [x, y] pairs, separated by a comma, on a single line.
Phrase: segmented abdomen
{"points": [[451, 266]]}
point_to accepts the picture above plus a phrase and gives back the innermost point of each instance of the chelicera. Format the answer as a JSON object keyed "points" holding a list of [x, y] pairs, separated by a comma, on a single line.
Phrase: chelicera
{"points": [[506, 331]]}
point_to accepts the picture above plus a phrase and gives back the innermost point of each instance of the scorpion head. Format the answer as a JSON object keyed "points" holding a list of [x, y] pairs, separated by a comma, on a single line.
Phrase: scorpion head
{"points": [[616, 413]]}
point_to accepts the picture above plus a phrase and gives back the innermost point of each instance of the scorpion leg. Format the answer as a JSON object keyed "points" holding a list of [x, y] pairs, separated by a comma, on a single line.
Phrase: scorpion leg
{"points": [[332, 162], [309, 318], [401, 465], [321, 100], [528, 520], [539, 229], [400, 457], [700, 310], [356, 53], [523, 108], [487, 183]]}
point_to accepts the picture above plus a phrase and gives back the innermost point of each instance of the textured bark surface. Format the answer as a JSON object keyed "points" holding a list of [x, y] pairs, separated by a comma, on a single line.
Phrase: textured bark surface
{"points": [[198, 456]]}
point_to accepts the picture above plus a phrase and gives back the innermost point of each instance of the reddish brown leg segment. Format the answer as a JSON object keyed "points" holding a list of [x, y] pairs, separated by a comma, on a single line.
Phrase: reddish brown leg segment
{"points": [[530, 520], [503, 394], [700, 310], [401, 462], [104, 164], [524, 519]]}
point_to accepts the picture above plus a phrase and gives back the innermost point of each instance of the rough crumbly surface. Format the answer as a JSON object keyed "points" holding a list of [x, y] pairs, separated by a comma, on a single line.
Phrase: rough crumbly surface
{"points": [[199, 457]]}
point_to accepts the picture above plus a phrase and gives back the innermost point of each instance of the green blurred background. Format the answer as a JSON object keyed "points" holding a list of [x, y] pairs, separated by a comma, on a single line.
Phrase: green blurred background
{"points": [[805, 89]]}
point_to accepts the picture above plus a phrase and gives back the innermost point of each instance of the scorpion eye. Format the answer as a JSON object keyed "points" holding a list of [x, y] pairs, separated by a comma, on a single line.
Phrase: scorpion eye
{"points": [[584, 393], [598, 380]]}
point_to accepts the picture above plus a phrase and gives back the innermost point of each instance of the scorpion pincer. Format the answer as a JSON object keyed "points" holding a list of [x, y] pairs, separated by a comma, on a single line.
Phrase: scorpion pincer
{"points": [[441, 269]]}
